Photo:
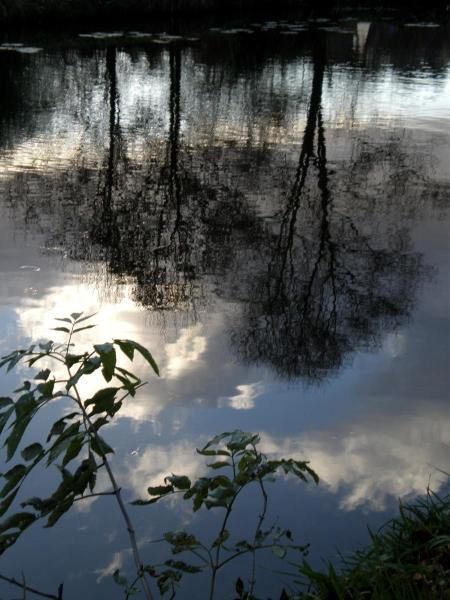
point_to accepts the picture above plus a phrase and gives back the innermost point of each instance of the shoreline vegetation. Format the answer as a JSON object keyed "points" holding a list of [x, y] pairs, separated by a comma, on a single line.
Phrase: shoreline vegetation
{"points": [[407, 559], [44, 13]]}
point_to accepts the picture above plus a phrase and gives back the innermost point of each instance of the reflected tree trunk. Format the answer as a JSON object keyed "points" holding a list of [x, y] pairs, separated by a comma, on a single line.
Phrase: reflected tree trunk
{"points": [[289, 218]]}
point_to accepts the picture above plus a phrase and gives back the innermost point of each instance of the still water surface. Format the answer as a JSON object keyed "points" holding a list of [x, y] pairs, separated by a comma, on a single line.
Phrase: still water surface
{"points": [[268, 212]]}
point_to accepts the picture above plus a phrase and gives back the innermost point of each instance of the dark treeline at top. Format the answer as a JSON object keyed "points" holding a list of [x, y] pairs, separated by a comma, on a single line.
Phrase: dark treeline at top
{"points": [[48, 11]]}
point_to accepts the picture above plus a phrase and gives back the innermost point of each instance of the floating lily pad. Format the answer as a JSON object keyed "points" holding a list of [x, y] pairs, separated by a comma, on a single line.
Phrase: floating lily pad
{"points": [[422, 25], [20, 48], [139, 34], [235, 31], [29, 50], [101, 35], [336, 30]]}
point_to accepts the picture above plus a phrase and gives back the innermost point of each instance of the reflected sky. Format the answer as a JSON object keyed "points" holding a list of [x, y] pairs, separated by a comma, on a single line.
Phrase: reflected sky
{"points": [[272, 222]]}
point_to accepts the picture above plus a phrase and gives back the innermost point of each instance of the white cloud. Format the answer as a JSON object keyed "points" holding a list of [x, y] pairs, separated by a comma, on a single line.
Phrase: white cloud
{"points": [[367, 465]]}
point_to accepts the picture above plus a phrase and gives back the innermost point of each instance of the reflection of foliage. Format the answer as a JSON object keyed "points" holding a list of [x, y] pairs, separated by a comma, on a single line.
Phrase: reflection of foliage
{"points": [[239, 463]]}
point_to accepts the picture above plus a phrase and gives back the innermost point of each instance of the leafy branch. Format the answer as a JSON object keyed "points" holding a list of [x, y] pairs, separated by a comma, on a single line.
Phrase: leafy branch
{"points": [[240, 464], [73, 437]]}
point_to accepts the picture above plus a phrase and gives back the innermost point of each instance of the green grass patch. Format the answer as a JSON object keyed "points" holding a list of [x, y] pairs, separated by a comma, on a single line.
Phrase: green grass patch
{"points": [[408, 558]]}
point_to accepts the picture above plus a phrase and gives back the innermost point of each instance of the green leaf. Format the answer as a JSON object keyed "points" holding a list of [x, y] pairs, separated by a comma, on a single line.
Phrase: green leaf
{"points": [[239, 587], [100, 447], [146, 502], [64, 320], [99, 423], [6, 503], [220, 497], [181, 541], [215, 440], [221, 539], [160, 490], [16, 435], [42, 375], [89, 366], [180, 565], [73, 359], [59, 426], [83, 475], [279, 551], [76, 316], [46, 389], [119, 579], [181, 482], [93, 469], [5, 402], [86, 318], [47, 346], [108, 357], [20, 521], [239, 440], [26, 386], [83, 328], [219, 464], [127, 384], [64, 329], [128, 347], [25, 405], [35, 359], [103, 401], [63, 442], [73, 449], [4, 417], [32, 451], [13, 477], [7, 540], [62, 508]]}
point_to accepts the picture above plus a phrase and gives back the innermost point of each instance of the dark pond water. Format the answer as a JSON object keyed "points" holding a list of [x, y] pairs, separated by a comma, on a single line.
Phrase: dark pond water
{"points": [[267, 211]]}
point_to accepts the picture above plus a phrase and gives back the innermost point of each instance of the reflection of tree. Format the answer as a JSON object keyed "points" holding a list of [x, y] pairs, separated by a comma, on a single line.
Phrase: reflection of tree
{"points": [[185, 220], [165, 276], [105, 232], [327, 290]]}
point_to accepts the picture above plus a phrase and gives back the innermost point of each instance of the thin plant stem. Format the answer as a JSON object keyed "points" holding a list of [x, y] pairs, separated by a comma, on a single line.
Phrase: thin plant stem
{"points": [[215, 564], [131, 533], [261, 518], [117, 493], [241, 553], [28, 588], [95, 495]]}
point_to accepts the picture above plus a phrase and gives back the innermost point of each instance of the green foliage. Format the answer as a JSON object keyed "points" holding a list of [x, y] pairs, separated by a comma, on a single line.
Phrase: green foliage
{"points": [[237, 464], [409, 558], [76, 449], [73, 445]]}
